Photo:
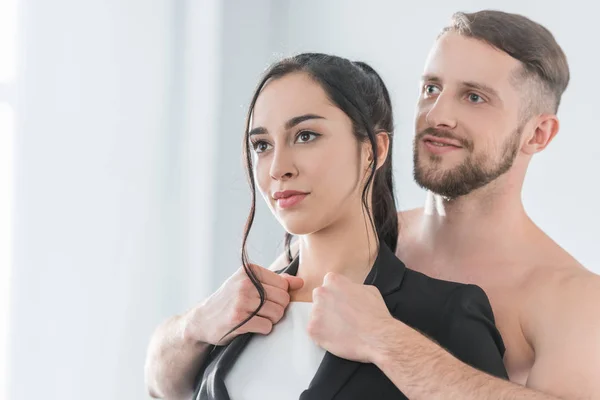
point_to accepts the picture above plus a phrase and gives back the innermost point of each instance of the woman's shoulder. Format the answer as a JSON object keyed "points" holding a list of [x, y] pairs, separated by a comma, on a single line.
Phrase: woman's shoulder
{"points": [[457, 316], [433, 289], [430, 303]]}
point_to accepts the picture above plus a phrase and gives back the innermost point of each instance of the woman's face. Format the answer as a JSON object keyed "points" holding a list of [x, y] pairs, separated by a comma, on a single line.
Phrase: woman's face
{"points": [[308, 165]]}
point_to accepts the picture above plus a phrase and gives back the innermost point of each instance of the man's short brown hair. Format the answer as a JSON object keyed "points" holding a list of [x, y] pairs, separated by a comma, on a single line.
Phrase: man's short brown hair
{"points": [[545, 68]]}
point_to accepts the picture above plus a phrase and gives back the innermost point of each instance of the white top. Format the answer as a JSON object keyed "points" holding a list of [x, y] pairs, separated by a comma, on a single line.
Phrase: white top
{"points": [[280, 365]]}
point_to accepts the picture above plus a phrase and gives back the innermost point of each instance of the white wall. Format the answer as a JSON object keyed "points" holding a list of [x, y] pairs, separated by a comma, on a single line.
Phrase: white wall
{"points": [[251, 40], [102, 229]]}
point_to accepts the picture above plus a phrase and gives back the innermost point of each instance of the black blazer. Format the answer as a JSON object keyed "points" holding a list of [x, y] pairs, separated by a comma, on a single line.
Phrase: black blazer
{"points": [[457, 316]]}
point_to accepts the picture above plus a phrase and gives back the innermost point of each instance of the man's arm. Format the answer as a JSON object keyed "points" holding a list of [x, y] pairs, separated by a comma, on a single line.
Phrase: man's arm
{"points": [[565, 331], [173, 360], [352, 322], [180, 345], [423, 370], [566, 338]]}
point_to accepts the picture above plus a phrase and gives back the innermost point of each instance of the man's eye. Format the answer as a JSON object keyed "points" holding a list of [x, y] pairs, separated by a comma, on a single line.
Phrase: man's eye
{"points": [[431, 89], [475, 98]]}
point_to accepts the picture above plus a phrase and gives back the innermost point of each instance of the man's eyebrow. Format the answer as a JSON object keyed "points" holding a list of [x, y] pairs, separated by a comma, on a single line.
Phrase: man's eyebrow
{"points": [[482, 87], [431, 78]]}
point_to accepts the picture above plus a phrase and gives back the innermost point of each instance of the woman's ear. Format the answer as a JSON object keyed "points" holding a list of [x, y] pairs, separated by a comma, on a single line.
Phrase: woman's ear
{"points": [[382, 140]]}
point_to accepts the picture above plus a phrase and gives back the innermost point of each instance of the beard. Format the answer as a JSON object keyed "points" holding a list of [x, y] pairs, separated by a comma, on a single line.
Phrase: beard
{"points": [[474, 172]]}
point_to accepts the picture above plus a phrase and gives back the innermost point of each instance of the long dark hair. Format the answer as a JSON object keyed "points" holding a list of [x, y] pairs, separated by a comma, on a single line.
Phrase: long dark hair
{"points": [[357, 90]]}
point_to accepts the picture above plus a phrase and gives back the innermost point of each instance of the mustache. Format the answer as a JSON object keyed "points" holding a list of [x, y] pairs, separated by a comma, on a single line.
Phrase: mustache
{"points": [[440, 133]]}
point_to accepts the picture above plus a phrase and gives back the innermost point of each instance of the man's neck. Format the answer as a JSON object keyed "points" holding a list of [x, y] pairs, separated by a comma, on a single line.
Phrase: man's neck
{"points": [[482, 228]]}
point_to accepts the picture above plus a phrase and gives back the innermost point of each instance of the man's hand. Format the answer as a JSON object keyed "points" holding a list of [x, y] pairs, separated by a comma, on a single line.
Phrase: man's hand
{"points": [[234, 301], [179, 346], [347, 318]]}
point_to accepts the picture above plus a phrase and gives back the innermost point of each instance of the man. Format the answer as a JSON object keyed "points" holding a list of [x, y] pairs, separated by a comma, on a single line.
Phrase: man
{"points": [[490, 92]]}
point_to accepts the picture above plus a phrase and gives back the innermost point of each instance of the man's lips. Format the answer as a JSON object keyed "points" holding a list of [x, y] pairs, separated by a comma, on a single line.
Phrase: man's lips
{"points": [[438, 141], [440, 146]]}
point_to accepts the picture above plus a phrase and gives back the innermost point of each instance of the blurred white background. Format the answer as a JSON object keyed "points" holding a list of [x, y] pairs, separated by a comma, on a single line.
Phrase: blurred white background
{"points": [[122, 191]]}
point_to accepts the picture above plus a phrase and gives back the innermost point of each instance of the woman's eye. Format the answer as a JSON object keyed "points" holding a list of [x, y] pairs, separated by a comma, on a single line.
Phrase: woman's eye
{"points": [[306, 136], [260, 146]]}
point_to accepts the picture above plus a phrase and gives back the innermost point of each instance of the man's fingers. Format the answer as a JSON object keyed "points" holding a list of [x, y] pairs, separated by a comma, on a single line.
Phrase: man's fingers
{"points": [[284, 281], [294, 282], [269, 277], [275, 303], [330, 278], [272, 311], [274, 294], [277, 295], [257, 325]]}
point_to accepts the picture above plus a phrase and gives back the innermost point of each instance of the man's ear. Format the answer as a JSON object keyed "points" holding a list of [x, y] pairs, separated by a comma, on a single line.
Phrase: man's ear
{"points": [[545, 129]]}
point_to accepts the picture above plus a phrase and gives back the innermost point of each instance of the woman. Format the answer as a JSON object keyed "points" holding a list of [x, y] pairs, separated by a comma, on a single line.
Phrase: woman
{"points": [[318, 146]]}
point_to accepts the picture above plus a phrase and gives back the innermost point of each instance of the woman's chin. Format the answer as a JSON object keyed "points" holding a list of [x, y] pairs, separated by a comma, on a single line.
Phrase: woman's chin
{"points": [[298, 226]]}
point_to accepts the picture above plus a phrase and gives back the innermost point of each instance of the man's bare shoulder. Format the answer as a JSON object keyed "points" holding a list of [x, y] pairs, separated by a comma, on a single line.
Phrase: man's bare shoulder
{"points": [[555, 269], [570, 287], [562, 323], [562, 297], [566, 286]]}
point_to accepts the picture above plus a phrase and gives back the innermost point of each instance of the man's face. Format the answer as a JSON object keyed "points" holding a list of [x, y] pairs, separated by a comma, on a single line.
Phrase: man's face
{"points": [[468, 117]]}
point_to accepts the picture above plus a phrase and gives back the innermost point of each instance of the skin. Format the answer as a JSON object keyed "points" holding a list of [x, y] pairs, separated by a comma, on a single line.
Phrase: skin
{"points": [[544, 301]]}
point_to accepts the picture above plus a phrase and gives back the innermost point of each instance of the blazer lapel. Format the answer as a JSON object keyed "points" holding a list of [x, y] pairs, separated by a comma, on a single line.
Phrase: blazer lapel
{"points": [[333, 372], [213, 386]]}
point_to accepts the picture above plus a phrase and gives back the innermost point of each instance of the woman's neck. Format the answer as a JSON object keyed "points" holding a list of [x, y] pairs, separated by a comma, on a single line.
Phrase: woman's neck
{"points": [[345, 248]]}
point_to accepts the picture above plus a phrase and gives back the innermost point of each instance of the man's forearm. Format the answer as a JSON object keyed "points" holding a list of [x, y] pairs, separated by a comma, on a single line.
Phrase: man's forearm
{"points": [[173, 361], [421, 369]]}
